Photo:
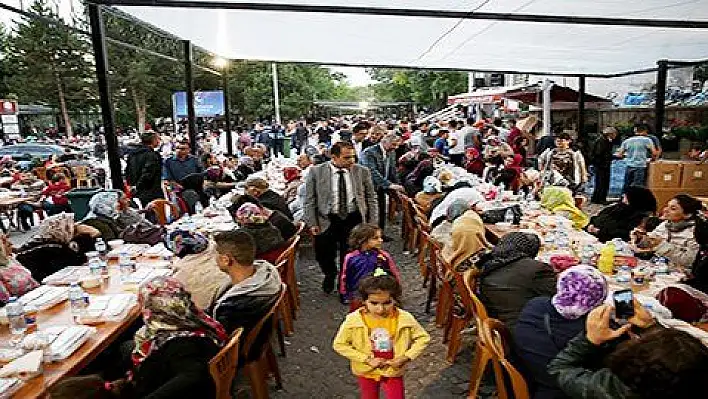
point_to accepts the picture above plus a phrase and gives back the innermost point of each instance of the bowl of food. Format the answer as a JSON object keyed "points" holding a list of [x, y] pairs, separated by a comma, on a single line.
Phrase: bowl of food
{"points": [[115, 244]]}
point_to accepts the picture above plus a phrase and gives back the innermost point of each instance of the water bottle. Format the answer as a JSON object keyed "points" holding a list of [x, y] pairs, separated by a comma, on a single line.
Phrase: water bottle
{"points": [[125, 264], [212, 203], [662, 265], [95, 266], [100, 246], [16, 316], [198, 208], [509, 216], [76, 299]]}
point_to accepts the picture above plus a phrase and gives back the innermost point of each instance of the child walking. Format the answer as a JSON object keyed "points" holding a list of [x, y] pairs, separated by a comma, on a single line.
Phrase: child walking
{"points": [[379, 338], [365, 240]]}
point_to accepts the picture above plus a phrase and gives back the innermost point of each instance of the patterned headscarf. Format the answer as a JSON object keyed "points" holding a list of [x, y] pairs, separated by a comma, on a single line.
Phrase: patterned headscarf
{"points": [[168, 313], [247, 160], [291, 173], [431, 185], [185, 242], [104, 203], [510, 248], [579, 290], [58, 228], [250, 213], [456, 209]]}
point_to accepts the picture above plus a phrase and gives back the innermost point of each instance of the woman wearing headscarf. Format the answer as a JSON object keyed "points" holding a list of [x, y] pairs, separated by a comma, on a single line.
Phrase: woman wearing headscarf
{"points": [[293, 180], [510, 276], [546, 324], [196, 266], [414, 180], [442, 233], [559, 200], [674, 237], [467, 241], [246, 167], [15, 280], [254, 221], [467, 193], [59, 242], [173, 348], [432, 190], [103, 214], [618, 220]]}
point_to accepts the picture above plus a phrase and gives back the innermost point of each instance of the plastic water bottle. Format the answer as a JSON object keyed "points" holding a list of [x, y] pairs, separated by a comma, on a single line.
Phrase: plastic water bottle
{"points": [[509, 216], [662, 265], [198, 208], [76, 299], [95, 266], [16, 316], [125, 264], [212, 203], [100, 246]]}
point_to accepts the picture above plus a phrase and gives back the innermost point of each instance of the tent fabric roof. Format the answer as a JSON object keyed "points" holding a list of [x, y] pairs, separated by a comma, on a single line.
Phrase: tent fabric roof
{"points": [[532, 95], [443, 43]]}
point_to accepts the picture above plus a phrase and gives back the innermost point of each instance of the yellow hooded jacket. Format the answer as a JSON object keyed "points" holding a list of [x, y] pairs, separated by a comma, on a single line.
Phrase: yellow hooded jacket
{"points": [[352, 341]]}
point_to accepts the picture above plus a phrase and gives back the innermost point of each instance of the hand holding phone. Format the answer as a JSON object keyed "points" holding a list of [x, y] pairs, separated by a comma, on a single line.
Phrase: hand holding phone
{"points": [[624, 304]]}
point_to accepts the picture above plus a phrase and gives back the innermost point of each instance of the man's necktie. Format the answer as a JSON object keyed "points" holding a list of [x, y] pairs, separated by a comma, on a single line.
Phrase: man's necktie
{"points": [[343, 208]]}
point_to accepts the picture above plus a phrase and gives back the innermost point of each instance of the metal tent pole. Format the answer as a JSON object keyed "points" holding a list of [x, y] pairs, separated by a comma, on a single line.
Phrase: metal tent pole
{"points": [[227, 113], [104, 90], [189, 83], [581, 107], [660, 106], [276, 92], [547, 87]]}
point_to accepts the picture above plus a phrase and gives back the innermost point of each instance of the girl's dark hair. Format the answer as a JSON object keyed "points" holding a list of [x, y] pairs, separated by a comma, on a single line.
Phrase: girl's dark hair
{"points": [[90, 387], [700, 233], [690, 205], [361, 234], [387, 283], [663, 363]]}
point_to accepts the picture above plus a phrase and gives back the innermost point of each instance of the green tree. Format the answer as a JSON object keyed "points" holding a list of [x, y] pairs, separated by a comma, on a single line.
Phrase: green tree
{"points": [[51, 64], [5, 69], [425, 88]]}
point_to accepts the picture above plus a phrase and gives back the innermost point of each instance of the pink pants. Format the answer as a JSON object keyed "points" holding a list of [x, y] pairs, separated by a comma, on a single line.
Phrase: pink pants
{"points": [[392, 387]]}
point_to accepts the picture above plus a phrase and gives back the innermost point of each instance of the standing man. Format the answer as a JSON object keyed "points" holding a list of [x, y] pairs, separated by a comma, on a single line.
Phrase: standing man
{"points": [[635, 151], [144, 169], [602, 161], [324, 133], [381, 161], [359, 133], [339, 195]]}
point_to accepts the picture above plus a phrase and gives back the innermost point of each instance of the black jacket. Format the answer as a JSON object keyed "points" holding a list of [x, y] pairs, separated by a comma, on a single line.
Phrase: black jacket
{"points": [[272, 200], [541, 332], [281, 222], [109, 228], [144, 171], [601, 155], [266, 236], [578, 381], [617, 221], [505, 288], [43, 258], [179, 369], [699, 272]]}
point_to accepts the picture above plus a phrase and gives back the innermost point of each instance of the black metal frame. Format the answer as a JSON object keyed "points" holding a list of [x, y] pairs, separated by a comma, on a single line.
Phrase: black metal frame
{"points": [[189, 85]]}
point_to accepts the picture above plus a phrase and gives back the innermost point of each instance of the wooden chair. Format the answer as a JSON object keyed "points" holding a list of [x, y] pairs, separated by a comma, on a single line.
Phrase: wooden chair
{"points": [[471, 306], [283, 315], [257, 371], [407, 222], [290, 254], [222, 367], [495, 336], [82, 174], [60, 169], [423, 243], [40, 172], [483, 354], [431, 268], [159, 207], [445, 294]]}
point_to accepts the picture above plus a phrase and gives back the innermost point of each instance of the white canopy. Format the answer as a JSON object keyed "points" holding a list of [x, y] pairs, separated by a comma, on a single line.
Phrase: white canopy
{"points": [[445, 43]]}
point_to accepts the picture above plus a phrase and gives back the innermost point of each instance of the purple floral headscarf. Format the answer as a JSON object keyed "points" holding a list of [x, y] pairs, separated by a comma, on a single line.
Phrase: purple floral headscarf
{"points": [[579, 290]]}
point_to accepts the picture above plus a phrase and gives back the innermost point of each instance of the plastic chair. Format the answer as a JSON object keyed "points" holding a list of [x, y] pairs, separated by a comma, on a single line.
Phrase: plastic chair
{"points": [[222, 367], [422, 242], [445, 297], [258, 370], [159, 207], [40, 172], [290, 254], [496, 336], [431, 267], [63, 170], [407, 222], [483, 354], [82, 175]]}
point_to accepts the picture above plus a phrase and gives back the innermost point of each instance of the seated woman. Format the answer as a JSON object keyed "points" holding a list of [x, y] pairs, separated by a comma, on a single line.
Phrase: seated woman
{"points": [[510, 276], [559, 200], [286, 227], [269, 242], [442, 233], [293, 180], [246, 167], [54, 198], [128, 216], [674, 238], [103, 214], [659, 363], [258, 187], [546, 324], [469, 194], [618, 220], [467, 242], [698, 276], [414, 180], [59, 242], [15, 280], [432, 190], [172, 350], [196, 266]]}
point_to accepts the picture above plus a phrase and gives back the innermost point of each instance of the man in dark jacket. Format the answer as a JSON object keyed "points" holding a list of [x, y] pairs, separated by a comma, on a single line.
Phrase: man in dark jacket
{"points": [[255, 285], [602, 161], [268, 198], [144, 168], [381, 161]]}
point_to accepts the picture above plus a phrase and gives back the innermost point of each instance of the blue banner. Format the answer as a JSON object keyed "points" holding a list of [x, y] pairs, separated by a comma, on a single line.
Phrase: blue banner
{"points": [[206, 103]]}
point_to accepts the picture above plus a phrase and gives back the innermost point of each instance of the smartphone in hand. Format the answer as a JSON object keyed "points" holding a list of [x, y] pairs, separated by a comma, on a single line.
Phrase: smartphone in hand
{"points": [[624, 304]]}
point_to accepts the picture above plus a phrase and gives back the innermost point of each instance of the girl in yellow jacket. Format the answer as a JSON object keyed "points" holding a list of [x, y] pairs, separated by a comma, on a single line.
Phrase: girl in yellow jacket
{"points": [[379, 338]]}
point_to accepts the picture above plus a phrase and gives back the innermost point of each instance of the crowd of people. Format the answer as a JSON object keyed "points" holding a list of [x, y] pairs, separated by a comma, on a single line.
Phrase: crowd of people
{"points": [[565, 340]]}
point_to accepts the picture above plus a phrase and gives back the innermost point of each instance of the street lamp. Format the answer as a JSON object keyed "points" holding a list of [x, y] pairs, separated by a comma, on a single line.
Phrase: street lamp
{"points": [[223, 65]]}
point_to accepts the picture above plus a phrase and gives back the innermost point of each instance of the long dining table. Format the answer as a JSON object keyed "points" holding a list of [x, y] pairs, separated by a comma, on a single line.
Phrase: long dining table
{"points": [[106, 333]]}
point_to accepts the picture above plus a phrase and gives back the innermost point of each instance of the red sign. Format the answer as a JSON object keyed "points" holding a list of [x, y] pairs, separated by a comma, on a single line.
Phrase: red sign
{"points": [[8, 107]]}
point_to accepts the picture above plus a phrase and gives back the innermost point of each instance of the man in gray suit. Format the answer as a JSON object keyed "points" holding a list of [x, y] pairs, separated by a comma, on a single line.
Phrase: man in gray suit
{"points": [[339, 194], [381, 161]]}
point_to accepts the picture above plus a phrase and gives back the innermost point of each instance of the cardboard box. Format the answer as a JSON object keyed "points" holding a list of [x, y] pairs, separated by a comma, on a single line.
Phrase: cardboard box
{"points": [[695, 175], [663, 195], [665, 174]]}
